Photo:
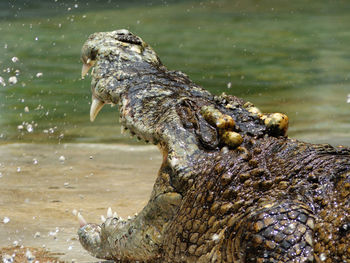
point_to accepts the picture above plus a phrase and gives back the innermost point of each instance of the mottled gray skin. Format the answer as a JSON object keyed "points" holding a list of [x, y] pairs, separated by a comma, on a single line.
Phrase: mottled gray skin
{"points": [[232, 187]]}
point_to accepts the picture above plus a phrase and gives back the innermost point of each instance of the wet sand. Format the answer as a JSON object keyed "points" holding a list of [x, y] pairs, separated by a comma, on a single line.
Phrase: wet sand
{"points": [[39, 189]]}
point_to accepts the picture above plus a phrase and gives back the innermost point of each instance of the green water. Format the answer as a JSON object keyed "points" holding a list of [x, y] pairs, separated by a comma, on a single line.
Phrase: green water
{"points": [[287, 56]]}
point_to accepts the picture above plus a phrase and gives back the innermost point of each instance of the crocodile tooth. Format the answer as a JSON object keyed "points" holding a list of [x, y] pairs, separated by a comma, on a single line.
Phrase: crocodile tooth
{"points": [[103, 219], [84, 70], [81, 220], [86, 67], [109, 212], [95, 108]]}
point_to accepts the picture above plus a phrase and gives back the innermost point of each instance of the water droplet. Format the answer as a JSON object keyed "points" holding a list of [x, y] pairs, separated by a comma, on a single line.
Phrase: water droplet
{"points": [[39, 74], [14, 59], [29, 255], [30, 128], [7, 259], [62, 158], [53, 234], [13, 80], [35, 161], [229, 85], [224, 150], [6, 220], [215, 237], [70, 248], [76, 6], [2, 82], [36, 38], [18, 169]]}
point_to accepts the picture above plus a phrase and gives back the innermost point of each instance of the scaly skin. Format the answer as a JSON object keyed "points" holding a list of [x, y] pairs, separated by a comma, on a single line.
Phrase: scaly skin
{"points": [[232, 186]]}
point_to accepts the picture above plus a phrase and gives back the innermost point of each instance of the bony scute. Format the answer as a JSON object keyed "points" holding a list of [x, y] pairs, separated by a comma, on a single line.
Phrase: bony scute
{"points": [[232, 139], [255, 111], [216, 118], [277, 123]]}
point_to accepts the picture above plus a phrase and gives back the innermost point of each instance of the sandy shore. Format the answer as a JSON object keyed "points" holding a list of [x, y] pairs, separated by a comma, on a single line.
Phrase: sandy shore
{"points": [[40, 186]]}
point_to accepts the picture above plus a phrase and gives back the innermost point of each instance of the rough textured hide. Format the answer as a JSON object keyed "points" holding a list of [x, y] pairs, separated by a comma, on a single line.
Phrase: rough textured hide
{"points": [[232, 187]]}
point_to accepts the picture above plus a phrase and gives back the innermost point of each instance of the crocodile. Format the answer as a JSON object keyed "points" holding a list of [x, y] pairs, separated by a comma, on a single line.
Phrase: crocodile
{"points": [[232, 187]]}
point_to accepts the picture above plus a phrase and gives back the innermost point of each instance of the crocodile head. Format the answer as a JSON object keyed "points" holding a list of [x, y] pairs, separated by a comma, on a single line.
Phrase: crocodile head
{"points": [[127, 72], [189, 125], [117, 56]]}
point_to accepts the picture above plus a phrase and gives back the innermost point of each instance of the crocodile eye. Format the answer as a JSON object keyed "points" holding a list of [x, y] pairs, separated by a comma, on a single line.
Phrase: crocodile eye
{"points": [[88, 54], [93, 54]]}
